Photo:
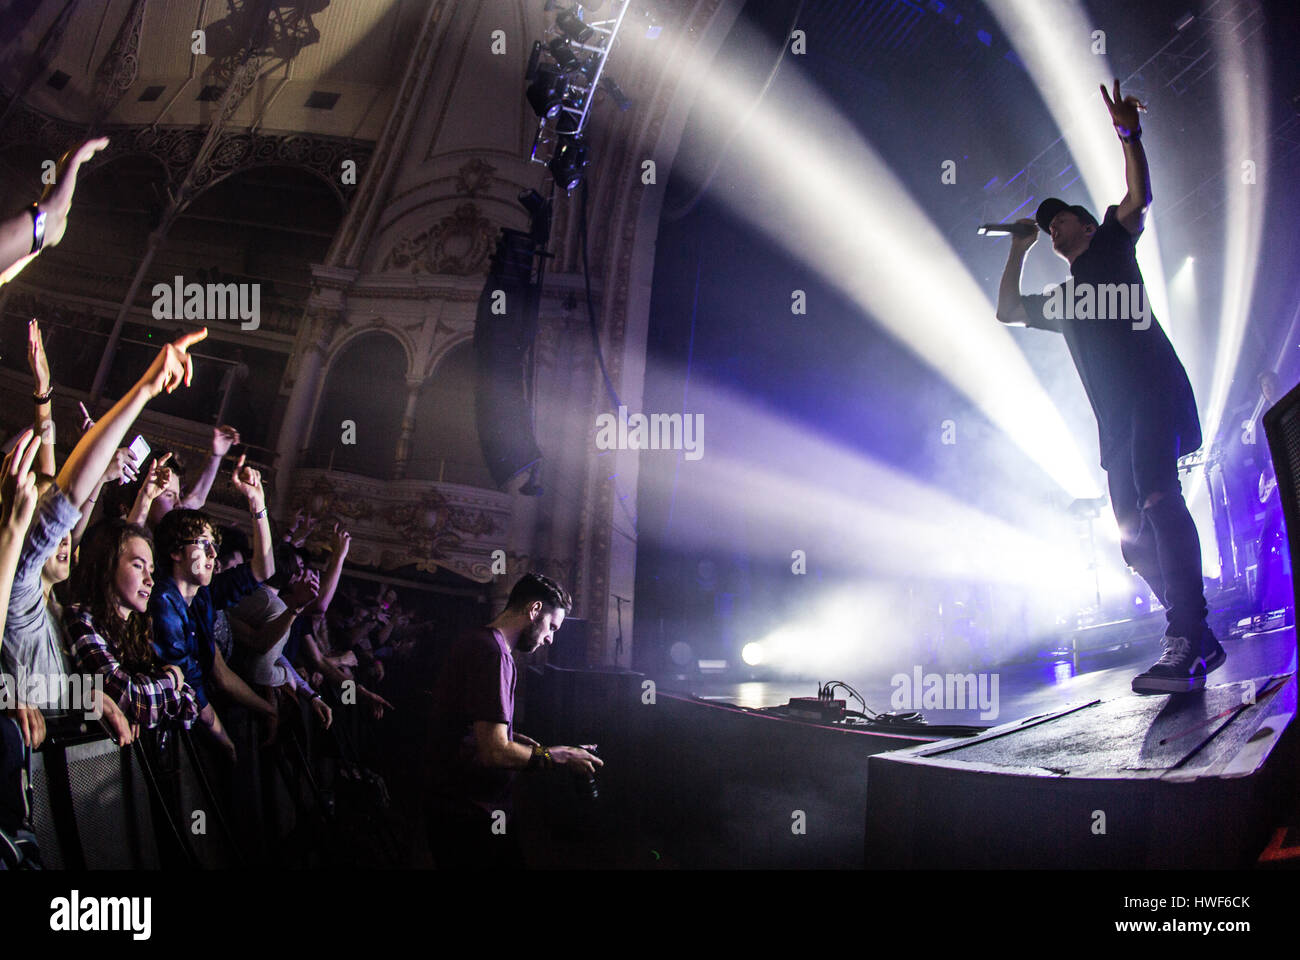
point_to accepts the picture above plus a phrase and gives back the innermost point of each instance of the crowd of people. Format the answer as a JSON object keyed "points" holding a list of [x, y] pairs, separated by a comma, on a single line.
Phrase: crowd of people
{"points": [[112, 571], [111, 568]]}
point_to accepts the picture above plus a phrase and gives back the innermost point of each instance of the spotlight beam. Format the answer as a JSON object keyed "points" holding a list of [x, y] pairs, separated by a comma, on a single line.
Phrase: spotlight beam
{"points": [[1054, 41], [905, 275]]}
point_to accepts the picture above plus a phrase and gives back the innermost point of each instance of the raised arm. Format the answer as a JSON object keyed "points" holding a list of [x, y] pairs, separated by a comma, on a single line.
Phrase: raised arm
{"points": [[222, 440], [1010, 309], [1132, 210], [20, 234], [17, 504], [249, 482], [150, 490], [340, 541], [172, 368], [42, 384]]}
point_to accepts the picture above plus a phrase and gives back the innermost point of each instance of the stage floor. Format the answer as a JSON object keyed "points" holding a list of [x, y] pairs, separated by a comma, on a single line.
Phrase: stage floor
{"points": [[1024, 689]]}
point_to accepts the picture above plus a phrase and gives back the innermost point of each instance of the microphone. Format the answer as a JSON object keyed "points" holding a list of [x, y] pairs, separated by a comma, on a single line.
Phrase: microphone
{"points": [[1007, 229]]}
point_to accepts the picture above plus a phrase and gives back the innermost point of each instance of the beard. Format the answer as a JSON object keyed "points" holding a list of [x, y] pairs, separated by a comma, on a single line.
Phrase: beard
{"points": [[532, 637]]}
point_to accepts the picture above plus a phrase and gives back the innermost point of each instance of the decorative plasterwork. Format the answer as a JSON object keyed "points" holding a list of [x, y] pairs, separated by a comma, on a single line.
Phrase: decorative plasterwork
{"points": [[409, 522], [474, 177], [459, 244]]}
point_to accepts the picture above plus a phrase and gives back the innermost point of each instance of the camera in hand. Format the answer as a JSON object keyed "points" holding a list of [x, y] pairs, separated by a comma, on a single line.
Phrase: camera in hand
{"points": [[586, 783]]}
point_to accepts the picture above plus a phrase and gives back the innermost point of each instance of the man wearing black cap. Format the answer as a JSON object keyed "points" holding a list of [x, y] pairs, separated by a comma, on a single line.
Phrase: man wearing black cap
{"points": [[1139, 391]]}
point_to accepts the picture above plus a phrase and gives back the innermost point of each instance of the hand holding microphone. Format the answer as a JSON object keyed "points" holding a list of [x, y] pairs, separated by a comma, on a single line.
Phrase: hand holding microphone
{"points": [[1024, 231]]}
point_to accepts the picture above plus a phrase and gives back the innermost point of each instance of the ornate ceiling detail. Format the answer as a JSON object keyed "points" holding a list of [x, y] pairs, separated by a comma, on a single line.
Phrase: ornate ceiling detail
{"points": [[120, 67], [458, 244], [474, 177], [175, 148]]}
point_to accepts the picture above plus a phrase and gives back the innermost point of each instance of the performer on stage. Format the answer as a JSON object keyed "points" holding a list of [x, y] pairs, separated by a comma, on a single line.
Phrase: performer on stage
{"points": [[1139, 391]]}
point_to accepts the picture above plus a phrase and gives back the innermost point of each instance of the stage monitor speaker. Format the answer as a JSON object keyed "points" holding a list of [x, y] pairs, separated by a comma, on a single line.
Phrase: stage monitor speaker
{"points": [[91, 808], [504, 331], [1282, 427]]}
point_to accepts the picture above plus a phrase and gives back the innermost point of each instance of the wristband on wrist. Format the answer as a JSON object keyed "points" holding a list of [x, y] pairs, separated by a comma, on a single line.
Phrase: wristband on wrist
{"points": [[38, 399], [541, 758], [259, 514], [1133, 137], [38, 227]]}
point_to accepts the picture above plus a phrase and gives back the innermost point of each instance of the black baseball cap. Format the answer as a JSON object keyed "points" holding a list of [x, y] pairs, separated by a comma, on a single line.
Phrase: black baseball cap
{"points": [[1050, 207]]}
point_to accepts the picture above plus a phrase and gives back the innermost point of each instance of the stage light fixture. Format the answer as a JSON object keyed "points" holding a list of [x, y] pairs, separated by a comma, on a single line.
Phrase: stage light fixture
{"points": [[567, 124], [569, 164], [563, 54], [753, 654], [546, 92], [571, 23]]}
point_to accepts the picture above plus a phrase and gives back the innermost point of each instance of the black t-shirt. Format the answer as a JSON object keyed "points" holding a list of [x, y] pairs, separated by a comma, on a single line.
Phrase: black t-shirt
{"points": [[476, 682], [1127, 364]]}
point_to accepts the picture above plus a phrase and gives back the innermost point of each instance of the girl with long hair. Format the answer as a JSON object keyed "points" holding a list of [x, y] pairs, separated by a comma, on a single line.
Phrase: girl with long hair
{"points": [[109, 630]]}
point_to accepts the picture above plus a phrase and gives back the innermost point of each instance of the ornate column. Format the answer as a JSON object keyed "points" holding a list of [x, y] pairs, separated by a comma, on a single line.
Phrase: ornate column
{"points": [[408, 429], [321, 322]]}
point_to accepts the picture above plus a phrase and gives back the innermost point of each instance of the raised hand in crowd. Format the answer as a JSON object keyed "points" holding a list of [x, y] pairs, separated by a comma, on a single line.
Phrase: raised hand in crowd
{"points": [[37, 362], [248, 481], [123, 467], [154, 486], [171, 368], [223, 438], [303, 524], [42, 385], [24, 236], [17, 504]]}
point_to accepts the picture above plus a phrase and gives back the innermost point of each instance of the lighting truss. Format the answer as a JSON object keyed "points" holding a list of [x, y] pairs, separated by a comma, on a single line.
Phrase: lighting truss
{"points": [[582, 80]]}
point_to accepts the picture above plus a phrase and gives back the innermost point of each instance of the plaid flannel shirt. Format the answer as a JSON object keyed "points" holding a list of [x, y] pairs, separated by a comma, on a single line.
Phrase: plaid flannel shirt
{"points": [[145, 698]]}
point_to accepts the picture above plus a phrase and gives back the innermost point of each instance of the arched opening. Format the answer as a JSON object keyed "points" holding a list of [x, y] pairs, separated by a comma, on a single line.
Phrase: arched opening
{"points": [[365, 394], [445, 446]]}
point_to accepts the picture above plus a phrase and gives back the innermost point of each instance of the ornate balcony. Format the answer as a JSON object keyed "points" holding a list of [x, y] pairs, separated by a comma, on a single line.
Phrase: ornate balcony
{"points": [[395, 523]]}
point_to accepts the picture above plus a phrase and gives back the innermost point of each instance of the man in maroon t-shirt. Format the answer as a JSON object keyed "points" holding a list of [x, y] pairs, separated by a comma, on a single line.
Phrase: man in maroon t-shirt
{"points": [[474, 749]]}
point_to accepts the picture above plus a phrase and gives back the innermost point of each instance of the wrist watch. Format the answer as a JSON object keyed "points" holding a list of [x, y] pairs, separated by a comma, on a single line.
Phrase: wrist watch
{"points": [[1133, 137], [259, 514], [38, 227]]}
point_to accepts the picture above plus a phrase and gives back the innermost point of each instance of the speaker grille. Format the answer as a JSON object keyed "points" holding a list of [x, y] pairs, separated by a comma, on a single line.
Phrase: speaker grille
{"points": [[110, 805]]}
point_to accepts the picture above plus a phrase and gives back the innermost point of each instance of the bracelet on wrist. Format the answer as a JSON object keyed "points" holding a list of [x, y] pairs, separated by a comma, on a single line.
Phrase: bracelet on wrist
{"points": [[40, 399], [259, 514], [1133, 137], [38, 227], [541, 758]]}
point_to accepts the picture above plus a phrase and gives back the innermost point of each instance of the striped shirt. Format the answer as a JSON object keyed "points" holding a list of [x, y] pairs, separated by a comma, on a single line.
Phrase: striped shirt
{"points": [[146, 697]]}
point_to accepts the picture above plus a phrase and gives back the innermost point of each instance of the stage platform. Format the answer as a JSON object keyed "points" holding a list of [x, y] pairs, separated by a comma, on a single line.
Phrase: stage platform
{"points": [[1194, 780]]}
